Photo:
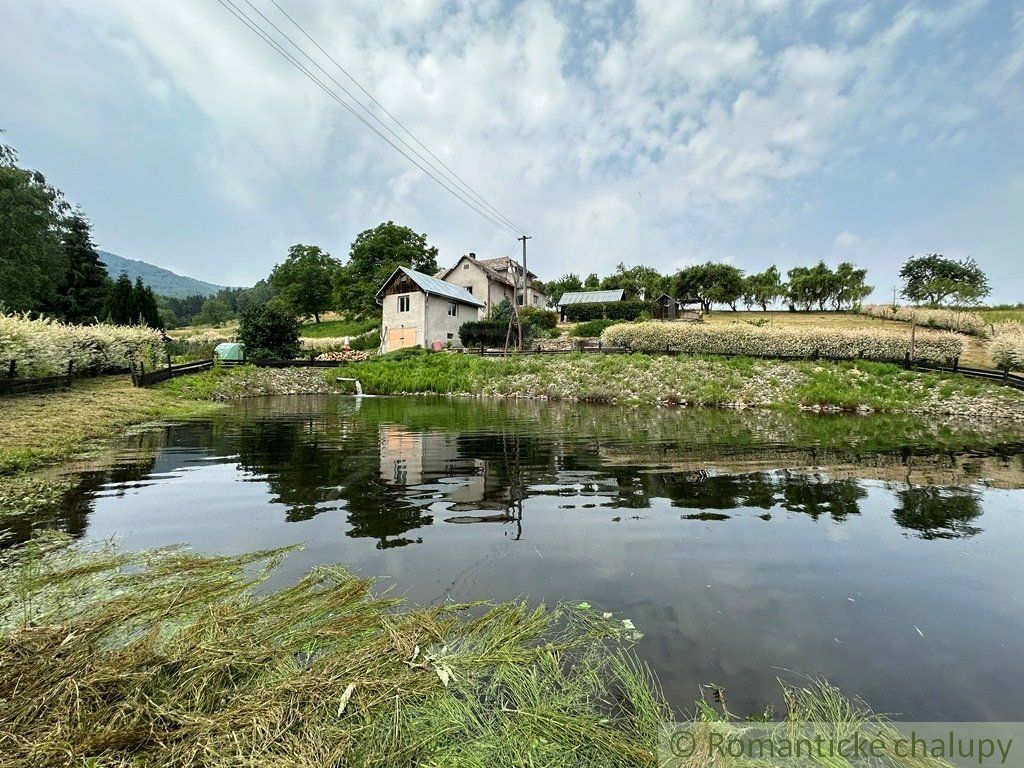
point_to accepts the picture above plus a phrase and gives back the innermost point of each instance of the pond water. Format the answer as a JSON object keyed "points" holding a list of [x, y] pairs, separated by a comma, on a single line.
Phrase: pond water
{"points": [[883, 554]]}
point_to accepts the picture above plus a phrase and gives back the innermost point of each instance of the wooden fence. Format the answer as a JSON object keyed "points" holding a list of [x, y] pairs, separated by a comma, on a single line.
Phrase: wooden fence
{"points": [[15, 386]]}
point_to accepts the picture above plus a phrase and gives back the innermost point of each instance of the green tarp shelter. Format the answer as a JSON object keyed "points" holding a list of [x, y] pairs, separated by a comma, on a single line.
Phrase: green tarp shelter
{"points": [[230, 350]]}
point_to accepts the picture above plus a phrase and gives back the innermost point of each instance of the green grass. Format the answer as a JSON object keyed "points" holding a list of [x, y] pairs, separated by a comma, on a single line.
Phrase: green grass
{"points": [[706, 381], [333, 328], [1000, 314]]}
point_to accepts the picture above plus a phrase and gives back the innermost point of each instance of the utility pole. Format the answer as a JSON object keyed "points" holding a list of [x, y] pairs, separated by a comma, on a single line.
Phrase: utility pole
{"points": [[515, 304]]}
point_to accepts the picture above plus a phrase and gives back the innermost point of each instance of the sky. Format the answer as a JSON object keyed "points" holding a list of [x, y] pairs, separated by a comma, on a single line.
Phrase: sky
{"points": [[756, 132]]}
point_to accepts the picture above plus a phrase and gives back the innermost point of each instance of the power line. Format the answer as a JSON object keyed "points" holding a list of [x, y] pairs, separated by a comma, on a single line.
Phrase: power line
{"points": [[451, 174], [267, 38]]}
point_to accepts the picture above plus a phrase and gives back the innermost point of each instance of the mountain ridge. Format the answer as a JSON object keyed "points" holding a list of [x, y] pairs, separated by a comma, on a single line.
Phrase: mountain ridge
{"points": [[163, 281]]}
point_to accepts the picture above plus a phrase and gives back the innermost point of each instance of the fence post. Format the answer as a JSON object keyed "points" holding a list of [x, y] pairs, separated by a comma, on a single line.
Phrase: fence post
{"points": [[142, 373], [1006, 373], [956, 364], [10, 373], [71, 364], [906, 360], [168, 358]]}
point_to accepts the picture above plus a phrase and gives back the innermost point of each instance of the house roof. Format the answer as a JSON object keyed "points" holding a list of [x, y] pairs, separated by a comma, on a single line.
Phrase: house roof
{"points": [[502, 263], [590, 297], [437, 287]]}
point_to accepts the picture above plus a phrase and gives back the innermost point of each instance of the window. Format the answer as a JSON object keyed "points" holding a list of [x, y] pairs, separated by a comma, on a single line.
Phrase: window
{"points": [[469, 288], [451, 336], [519, 300], [403, 303], [453, 309], [466, 265]]}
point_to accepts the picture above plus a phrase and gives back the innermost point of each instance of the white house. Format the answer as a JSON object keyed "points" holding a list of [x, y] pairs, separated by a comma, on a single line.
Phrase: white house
{"points": [[422, 311], [493, 280]]}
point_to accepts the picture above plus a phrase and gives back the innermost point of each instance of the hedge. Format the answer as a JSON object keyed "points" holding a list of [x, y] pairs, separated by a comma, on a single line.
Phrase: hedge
{"points": [[483, 333], [612, 310], [949, 319], [785, 341], [44, 347], [1006, 349]]}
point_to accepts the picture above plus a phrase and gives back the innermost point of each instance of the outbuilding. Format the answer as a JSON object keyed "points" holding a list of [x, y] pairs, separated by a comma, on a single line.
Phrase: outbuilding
{"points": [[419, 310]]}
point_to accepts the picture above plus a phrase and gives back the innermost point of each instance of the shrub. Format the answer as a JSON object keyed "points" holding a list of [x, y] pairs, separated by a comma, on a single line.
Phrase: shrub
{"points": [[269, 333], [538, 318], [483, 333], [44, 347], [784, 341], [198, 346], [1006, 348], [611, 310], [591, 328], [948, 319]]}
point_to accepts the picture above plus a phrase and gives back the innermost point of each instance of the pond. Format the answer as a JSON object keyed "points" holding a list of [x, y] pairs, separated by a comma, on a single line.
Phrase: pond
{"points": [[883, 554]]}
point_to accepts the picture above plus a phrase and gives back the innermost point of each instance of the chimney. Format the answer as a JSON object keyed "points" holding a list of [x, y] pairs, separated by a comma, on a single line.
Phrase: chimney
{"points": [[472, 255]]}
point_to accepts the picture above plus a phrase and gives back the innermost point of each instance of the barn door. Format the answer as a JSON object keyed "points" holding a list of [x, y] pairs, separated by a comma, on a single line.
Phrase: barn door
{"points": [[399, 338]]}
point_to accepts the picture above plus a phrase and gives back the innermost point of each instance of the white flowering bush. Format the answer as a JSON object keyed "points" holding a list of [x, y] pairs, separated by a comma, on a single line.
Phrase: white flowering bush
{"points": [[200, 346], [948, 319], [324, 344], [1006, 346], [44, 347], [784, 341]]}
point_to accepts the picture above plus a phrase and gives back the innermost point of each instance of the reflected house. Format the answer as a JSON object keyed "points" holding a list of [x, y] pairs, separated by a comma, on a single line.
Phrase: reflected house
{"points": [[415, 458], [433, 461]]}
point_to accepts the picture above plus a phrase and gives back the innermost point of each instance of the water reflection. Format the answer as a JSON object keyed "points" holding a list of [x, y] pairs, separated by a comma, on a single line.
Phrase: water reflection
{"points": [[745, 545]]}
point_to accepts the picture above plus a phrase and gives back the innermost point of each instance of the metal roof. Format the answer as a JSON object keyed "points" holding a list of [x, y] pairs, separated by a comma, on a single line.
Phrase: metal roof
{"points": [[590, 297], [437, 287]]}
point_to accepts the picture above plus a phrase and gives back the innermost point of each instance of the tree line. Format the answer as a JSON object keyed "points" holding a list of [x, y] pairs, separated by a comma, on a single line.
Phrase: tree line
{"points": [[48, 261], [819, 287]]}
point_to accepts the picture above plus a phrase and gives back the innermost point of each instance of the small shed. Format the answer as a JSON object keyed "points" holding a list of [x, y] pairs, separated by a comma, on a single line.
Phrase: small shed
{"points": [[666, 308], [588, 297], [230, 350]]}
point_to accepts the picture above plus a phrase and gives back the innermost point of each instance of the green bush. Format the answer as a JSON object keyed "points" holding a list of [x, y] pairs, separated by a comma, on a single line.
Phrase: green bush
{"points": [[483, 333], [633, 309], [591, 328], [269, 333], [539, 318]]}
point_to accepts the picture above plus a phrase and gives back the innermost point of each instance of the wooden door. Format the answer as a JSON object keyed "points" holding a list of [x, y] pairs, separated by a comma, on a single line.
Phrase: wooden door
{"points": [[398, 338]]}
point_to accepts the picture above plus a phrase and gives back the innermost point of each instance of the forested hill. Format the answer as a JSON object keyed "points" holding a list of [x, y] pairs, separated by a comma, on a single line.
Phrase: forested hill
{"points": [[162, 281]]}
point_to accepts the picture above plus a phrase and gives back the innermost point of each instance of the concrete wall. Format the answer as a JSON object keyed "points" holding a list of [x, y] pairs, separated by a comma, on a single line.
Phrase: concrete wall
{"points": [[442, 327], [391, 318]]}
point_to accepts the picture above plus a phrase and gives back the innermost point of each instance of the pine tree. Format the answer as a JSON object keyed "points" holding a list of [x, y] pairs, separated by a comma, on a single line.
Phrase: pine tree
{"points": [[119, 303], [82, 292]]}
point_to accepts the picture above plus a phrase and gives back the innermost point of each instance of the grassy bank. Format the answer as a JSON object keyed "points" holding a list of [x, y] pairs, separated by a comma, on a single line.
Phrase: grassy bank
{"points": [[36, 430], [169, 658], [696, 381]]}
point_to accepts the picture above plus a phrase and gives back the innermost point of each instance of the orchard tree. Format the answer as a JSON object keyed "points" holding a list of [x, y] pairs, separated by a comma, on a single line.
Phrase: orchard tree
{"points": [[375, 255], [711, 283], [851, 286], [306, 280], [638, 282], [763, 288], [933, 279]]}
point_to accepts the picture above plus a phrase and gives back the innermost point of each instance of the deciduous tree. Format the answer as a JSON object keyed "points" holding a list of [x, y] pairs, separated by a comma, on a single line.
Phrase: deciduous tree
{"points": [[306, 280]]}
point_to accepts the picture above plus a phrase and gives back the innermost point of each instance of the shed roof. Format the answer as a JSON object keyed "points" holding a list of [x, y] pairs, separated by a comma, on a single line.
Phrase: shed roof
{"points": [[590, 297], [437, 287]]}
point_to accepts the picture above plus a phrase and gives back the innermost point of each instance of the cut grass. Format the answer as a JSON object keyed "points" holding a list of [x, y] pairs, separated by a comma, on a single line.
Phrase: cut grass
{"points": [[36, 430], [172, 659]]}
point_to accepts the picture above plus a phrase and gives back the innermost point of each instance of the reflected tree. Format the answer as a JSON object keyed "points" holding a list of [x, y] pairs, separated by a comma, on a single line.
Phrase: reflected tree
{"points": [[939, 513]]}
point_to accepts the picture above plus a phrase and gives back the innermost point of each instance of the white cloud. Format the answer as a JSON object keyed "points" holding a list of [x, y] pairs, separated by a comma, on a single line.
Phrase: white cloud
{"points": [[656, 136]]}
